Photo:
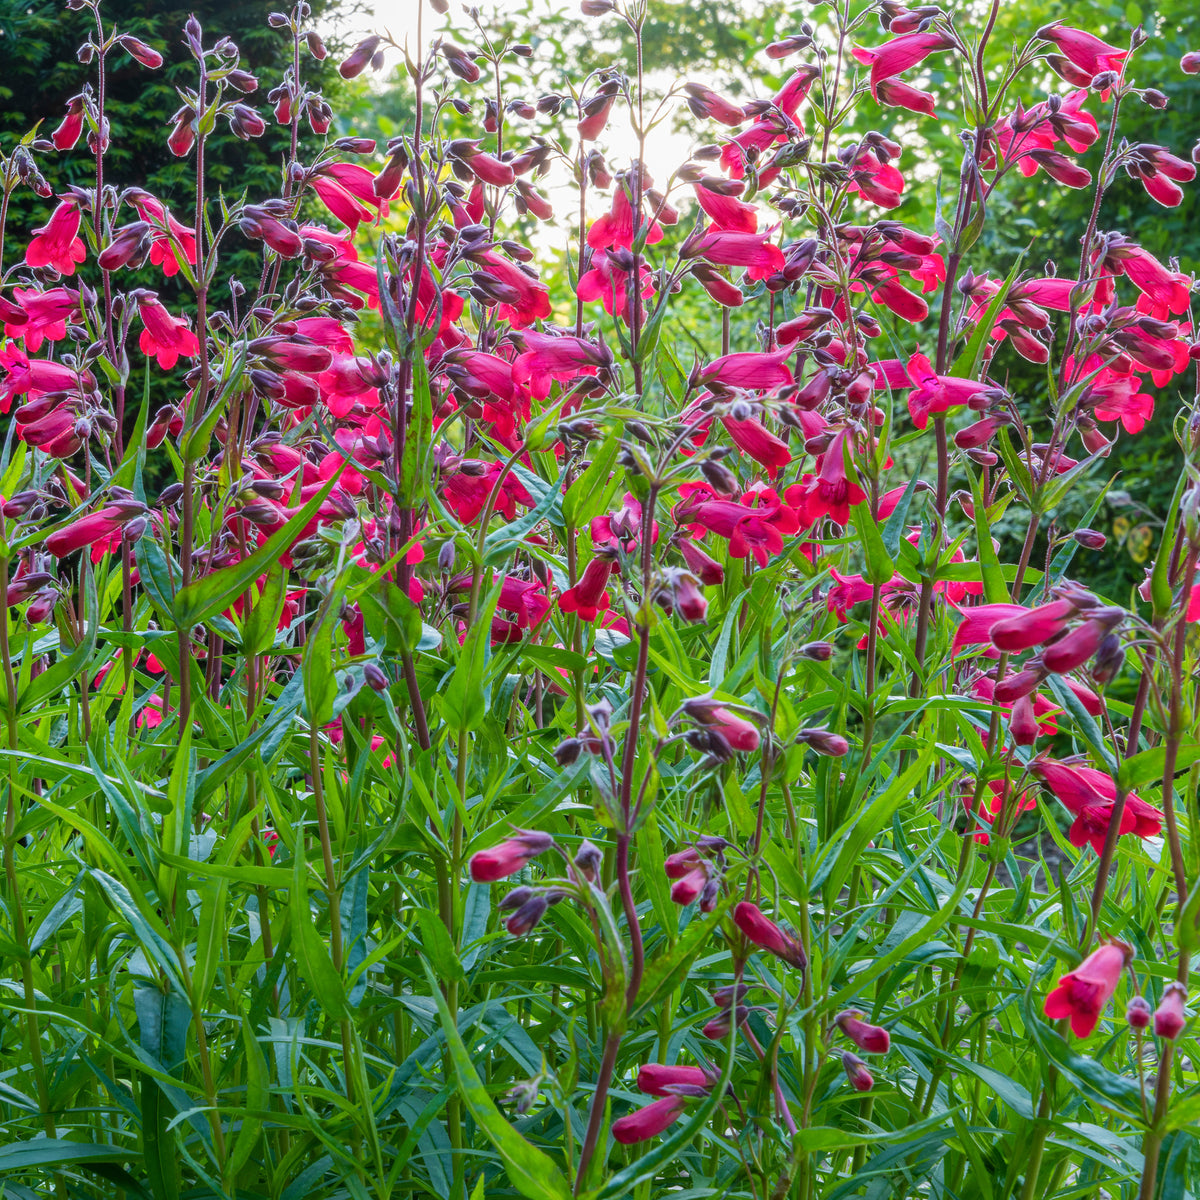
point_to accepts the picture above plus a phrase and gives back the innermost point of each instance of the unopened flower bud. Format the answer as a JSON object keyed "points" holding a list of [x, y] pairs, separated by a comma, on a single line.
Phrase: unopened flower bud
{"points": [[1137, 1013], [1169, 1016], [527, 916], [857, 1072], [723, 997], [589, 858], [1109, 660], [359, 57], [376, 679], [817, 651], [824, 742], [137, 49], [1090, 539], [567, 751], [720, 476], [872, 1039]]}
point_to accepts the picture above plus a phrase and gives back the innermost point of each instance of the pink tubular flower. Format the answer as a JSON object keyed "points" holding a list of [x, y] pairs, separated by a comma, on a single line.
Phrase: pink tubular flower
{"points": [[1170, 1016], [57, 244], [739, 733], [67, 134], [488, 866], [466, 492], [46, 315], [896, 94], [1084, 50], [1083, 993], [751, 370], [900, 54], [755, 524], [832, 492], [1031, 626], [704, 102], [977, 622], [1167, 292], [895, 297], [594, 112], [754, 251], [1062, 169], [165, 337], [610, 285], [706, 568], [1077, 647], [485, 167], [526, 299], [615, 227], [87, 530], [546, 358], [765, 934], [752, 437], [655, 1078], [588, 597], [1089, 795], [875, 179], [648, 1122], [686, 889], [871, 1039], [724, 208], [935, 394]]}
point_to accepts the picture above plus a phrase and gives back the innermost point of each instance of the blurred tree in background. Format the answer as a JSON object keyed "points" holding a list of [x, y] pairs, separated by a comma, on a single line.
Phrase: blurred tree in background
{"points": [[39, 40]]}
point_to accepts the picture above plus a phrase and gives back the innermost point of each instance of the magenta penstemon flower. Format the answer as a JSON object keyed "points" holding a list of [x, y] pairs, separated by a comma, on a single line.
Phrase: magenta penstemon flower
{"points": [[1082, 995]]}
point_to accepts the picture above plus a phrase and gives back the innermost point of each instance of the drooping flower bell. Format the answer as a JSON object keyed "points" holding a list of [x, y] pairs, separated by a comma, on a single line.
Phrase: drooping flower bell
{"points": [[1082, 994]]}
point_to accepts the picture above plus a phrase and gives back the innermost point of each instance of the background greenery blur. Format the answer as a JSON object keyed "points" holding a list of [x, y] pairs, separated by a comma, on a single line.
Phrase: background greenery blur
{"points": [[718, 42]]}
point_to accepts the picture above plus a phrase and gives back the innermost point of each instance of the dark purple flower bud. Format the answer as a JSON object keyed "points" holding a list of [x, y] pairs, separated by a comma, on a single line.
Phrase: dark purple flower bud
{"points": [[245, 122], [824, 742], [589, 858], [1138, 1013], [817, 651], [857, 1072], [723, 997], [129, 247], [242, 81], [567, 751], [515, 898], [460, 62], [1090, 539], [375, 677], [527, 916], [137, 49], [316, 47], [359, 57]]}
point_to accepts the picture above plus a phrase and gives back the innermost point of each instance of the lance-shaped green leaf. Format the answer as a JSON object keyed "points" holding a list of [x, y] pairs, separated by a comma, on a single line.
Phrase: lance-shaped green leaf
{"points": [[532, 1172], [312, 955], [879, 566], [466, 699]]}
